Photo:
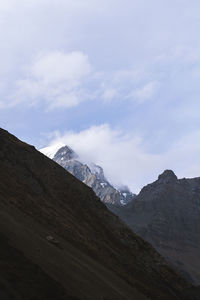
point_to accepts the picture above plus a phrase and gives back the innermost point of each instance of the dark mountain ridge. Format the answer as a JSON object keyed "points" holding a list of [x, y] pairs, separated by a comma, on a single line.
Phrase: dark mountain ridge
{"points": [[59, 239], [167, 214]]}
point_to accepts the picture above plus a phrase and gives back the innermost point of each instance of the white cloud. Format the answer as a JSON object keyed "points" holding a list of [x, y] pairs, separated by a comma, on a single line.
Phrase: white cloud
{"points": [[109, 94], [58, 67], [62, 80], [145, 93], [56, 78], [124, 159]]}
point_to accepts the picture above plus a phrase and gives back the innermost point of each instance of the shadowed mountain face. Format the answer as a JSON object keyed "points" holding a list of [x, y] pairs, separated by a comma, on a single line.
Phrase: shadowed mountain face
{"points": [[93, 176], [167, 214], [59, 241]]}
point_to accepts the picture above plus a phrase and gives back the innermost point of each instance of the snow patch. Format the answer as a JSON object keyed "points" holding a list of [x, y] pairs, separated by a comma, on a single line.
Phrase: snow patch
{"points": [[123, 202], [50, 151]]}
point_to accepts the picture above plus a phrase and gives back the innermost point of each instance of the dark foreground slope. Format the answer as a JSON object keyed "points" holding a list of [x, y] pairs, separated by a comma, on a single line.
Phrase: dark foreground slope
{"points": [[167, 214], [58, 241]]}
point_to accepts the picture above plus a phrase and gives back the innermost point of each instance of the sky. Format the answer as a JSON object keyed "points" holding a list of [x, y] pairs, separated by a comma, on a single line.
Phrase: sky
{"points": [[118, 81]]}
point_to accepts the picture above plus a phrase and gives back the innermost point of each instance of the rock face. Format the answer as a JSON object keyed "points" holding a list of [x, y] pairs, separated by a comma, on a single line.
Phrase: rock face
{"points": [[167, 214], [93, 176], [59, 241]]}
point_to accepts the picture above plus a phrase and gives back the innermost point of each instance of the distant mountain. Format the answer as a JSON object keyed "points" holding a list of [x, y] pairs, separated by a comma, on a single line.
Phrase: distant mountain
{"points": [[167, 214], [58, 241], [91, 174]]}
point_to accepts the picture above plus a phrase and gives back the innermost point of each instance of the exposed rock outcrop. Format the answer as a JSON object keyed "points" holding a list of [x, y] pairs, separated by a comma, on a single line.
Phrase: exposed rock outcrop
{"points": [[167, 214], [93, 176]]}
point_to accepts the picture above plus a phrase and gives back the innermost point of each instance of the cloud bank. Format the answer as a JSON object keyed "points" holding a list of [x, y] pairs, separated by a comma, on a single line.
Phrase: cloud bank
{"points": [[125, 159]]}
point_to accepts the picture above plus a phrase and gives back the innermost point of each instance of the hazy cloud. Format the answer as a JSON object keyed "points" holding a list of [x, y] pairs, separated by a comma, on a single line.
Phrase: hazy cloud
{"points": [[144, 93], [109, 94], [124, 158], [56, 78]]}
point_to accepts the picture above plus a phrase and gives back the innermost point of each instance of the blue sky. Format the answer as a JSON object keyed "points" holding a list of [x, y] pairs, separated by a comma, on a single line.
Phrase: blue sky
{"points": [[117, 80]]}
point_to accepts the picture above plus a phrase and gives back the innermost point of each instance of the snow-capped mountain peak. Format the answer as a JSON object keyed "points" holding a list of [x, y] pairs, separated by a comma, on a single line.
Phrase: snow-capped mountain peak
{"points": [[50, 151], [90, 173]]}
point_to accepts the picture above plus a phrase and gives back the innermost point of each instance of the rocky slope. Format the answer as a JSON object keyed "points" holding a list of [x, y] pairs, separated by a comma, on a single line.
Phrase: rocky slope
{"points": [[167, 214], [58, 241], [92, 175]]}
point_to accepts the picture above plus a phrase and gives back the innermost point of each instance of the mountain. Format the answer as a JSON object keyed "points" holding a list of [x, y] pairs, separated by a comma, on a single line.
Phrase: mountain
{"points": [[166, 213], [91, 174], [59, 241]]}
